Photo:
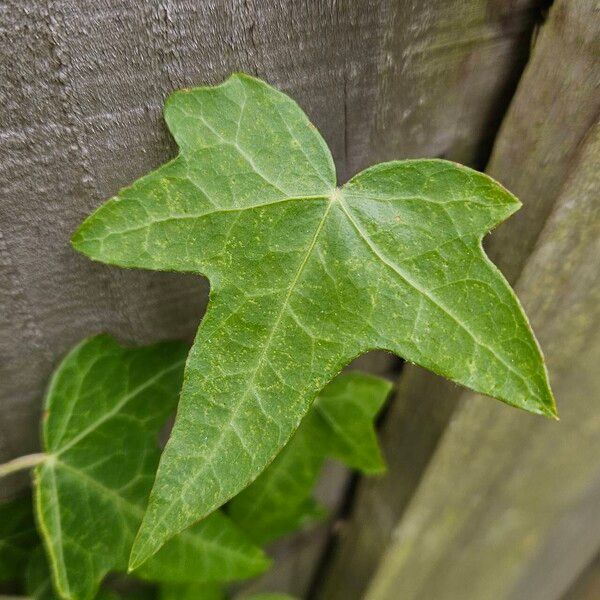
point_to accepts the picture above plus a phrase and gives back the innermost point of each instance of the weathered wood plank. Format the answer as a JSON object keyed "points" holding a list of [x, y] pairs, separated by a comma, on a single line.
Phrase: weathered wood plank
{"points": [[425, 403], [491, 511], [546, 125]]}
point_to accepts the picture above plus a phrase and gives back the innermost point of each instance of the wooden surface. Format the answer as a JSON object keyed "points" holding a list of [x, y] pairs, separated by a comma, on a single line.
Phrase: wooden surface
{"points": [[546, 125], [82, 86]]}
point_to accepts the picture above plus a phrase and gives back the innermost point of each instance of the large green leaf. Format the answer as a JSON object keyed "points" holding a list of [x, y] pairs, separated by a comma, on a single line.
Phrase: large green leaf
{"points": [[17, 537], [339, 425], [105, 407], [305, 276]]}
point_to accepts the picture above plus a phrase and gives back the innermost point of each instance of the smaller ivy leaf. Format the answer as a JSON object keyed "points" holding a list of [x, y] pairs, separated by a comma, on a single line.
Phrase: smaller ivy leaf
{"points": [[217, 551], [339, 425], [267, 596], [38, 581], [344, 413], [17, 537], [105, 407], [192, 591]]}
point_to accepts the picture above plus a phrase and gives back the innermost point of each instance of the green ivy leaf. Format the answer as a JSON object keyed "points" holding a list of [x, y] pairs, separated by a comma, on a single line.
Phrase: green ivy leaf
{"points": [[17, 537], [305, 276], [267, 596], [192, 591], [339, 425], [38, 581], [105, 407]]}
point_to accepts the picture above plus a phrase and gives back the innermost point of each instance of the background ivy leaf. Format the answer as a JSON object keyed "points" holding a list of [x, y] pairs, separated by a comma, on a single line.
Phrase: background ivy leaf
{"points": [[17, 537], [305, 277], [267, 596], [104, 409], [339, 425], [192, 591], [213, 550], [210, 592], [38, 581]]}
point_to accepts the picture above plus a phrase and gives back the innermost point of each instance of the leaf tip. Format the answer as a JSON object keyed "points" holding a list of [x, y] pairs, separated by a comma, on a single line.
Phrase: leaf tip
{"points": [[551, 411], [548, 402], [264, 562], [377, 470], [141, 551], [79, 242], [546, 406]]}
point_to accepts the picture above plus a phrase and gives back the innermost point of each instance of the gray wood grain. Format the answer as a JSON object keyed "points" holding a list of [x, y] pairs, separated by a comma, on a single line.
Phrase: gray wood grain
{"points": [[82, 86], [548, 120]]}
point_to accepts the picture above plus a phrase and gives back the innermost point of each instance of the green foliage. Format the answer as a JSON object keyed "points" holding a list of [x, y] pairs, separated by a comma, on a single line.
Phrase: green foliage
{"points": [[339, 425], [105, 407], [209, 592], [17, 536], [192, 591], [38, 581], [268, 597], [305, 276]]}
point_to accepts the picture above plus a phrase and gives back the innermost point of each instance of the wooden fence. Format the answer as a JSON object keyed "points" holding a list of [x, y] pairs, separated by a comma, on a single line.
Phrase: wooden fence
{"points": [[481, 501]]}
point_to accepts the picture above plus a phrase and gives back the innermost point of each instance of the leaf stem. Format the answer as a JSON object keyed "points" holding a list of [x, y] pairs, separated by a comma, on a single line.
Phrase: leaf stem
{"points": [[23, 462]]}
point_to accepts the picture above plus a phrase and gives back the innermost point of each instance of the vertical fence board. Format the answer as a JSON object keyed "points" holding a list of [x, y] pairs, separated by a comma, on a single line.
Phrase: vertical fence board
{"points": [[548, 120], [502, 483]]}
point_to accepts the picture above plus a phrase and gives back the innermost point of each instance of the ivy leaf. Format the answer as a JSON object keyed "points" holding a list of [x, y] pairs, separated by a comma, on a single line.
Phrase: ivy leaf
{"points": [[38, 581], [268, 596], [305, 277], [17, 537], [339, 425], [105, 407], [192, 591]]}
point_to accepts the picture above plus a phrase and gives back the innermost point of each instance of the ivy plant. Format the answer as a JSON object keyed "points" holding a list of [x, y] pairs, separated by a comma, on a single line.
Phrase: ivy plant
{"points": [[105, 407], [305, 276]]}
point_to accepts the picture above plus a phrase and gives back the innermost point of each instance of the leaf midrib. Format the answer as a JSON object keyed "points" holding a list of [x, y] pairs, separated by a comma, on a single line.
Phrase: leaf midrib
{"points": [[62, 577]]}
